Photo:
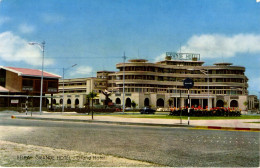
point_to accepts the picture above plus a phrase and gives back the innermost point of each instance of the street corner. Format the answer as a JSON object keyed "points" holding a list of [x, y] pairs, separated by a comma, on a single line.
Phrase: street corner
{"points": [[16, 155], [226, 128]]}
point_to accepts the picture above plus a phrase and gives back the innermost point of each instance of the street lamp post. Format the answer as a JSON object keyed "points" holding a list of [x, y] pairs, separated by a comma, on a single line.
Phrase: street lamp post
{"points": [[124, 57], [259, 102], [41, 46], [63, 72]]}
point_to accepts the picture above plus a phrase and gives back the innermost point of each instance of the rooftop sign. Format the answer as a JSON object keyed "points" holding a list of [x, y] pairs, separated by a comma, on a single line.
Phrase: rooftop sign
{"points": [[183, 56]]}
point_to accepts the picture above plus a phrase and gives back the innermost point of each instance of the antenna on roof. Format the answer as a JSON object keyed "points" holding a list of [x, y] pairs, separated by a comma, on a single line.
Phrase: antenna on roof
{"points": [[222, 57]]}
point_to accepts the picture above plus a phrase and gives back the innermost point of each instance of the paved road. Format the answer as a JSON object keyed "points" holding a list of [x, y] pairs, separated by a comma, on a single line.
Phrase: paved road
{"points": [[176, 147]]}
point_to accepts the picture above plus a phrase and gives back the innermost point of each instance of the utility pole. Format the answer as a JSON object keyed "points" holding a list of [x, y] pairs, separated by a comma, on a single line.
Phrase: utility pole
{"points": [[63, 72], [42, 47], [259, 102], [124, 58]]}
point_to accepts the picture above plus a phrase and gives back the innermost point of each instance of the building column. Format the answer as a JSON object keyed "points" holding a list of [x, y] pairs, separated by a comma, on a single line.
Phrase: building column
{"points": [[215, 101], [72, 101], [210, 103], [182, 101]]}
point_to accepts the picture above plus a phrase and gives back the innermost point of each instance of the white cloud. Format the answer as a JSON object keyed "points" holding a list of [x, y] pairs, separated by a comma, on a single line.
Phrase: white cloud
{"points": [[217, 45], [81, 70], [52, 18], [160, 57], [25, 28], [14, 48]]}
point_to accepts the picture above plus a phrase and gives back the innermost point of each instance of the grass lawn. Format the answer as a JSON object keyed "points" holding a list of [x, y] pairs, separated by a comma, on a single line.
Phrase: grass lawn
{"points": [[253, 122], [161, 115]]}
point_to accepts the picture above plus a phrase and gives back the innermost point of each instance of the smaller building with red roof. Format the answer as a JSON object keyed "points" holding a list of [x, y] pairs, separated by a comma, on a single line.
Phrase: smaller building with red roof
{"points": [[18, 83]]}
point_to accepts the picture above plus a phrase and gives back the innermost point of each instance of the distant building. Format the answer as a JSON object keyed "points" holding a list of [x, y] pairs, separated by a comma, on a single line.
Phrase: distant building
{"points": [[16, 84], [153, 84], [76, 89], [253, 102]]}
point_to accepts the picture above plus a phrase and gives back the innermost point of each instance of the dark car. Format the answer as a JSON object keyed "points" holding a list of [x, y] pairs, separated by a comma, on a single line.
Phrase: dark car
{"points": [[147, 110]]}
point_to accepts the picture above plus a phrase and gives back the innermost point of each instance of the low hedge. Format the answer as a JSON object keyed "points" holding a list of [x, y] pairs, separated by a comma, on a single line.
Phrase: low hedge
{"points": [[204, 112]]}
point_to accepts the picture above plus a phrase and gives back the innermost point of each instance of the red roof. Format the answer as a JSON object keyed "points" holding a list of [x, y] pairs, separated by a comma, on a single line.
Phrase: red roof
{"points": [[31, 72]]}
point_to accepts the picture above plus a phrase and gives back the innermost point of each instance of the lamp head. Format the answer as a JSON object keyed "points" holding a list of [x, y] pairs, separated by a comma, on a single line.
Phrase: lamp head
{"points": [[31, 43]]}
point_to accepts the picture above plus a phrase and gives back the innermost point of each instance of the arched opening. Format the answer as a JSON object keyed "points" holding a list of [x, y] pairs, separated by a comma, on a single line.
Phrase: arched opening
{"points": [[160, 103], [234, 103], [146, 102], [220, 103], [128, 102], [77, 103], [68, 101], [118, 101], [61, 100]]}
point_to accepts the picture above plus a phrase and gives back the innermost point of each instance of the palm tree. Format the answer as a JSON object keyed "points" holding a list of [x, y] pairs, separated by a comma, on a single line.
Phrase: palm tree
{"points": [[170, 101], [133, 103], [91, 96]]}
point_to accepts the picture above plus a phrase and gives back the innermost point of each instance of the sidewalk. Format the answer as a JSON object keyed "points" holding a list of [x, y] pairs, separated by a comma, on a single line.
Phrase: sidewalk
{"points": [[236, 124]]}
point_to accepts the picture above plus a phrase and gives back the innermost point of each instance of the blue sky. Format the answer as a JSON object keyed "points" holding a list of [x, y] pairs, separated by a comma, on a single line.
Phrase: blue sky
{"points": [[95, 33]]}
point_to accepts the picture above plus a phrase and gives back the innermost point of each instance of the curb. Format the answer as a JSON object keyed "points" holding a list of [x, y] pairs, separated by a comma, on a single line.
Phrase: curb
{"points": [[227, 128], [106, 122], [143, 124]]}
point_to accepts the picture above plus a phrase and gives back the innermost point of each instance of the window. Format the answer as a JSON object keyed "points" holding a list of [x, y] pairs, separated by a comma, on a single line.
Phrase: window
{"points": [[27, 82]]}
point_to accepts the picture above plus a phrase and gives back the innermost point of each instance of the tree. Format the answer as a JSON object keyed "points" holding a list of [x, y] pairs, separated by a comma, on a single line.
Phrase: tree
{"points": [[245, 104], [170, 101], [91, 96], [133, 104]]}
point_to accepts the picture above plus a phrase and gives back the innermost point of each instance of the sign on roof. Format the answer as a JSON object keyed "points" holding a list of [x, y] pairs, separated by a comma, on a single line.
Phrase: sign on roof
{"points": [[183, 56]]}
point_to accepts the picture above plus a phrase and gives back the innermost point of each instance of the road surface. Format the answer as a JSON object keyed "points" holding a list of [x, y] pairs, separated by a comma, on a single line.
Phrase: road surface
{"points": [[177, 147]]}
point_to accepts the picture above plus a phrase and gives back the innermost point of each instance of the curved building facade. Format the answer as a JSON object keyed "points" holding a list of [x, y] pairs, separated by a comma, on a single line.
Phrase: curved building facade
{"points": [[153, 84]]}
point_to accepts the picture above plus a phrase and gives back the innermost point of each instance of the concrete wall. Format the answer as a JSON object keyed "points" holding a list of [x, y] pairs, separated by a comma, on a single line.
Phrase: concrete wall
{"points": [[13, 82]]}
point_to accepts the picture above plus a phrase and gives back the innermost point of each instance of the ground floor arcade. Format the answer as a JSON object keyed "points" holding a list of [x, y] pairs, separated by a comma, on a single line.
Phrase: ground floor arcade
{"points": [[153, 100]]}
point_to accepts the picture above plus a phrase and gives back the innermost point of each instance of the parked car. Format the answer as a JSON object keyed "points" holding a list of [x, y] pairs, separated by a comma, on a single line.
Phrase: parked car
{"points": [[128, 109], [147, 110]]}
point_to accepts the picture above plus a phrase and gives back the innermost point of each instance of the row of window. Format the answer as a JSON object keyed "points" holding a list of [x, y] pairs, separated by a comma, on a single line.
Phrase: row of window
{"points": [[73, 91], [71, 84], [54, 101], [181, 71], [193, 91], [177, 79]]}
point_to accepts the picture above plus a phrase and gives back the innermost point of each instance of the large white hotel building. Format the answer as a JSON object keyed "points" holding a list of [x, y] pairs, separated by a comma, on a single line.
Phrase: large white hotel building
{"points": [[153, 84]]}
